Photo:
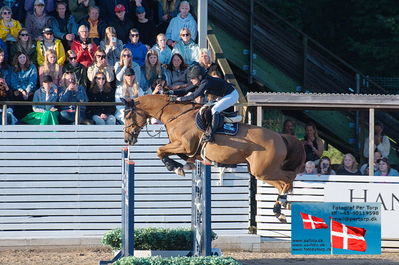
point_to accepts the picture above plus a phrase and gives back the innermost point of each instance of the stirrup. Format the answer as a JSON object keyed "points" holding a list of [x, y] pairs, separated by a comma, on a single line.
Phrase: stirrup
{"points": [[208, 138]]}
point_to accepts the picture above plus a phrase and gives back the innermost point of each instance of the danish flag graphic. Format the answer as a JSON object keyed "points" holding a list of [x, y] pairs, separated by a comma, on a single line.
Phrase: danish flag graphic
{"points": [[312, 222], [347, 237]]}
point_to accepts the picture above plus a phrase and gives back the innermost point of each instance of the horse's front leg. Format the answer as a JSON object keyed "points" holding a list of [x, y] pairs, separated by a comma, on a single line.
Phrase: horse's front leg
{"points": [[172, 148]]}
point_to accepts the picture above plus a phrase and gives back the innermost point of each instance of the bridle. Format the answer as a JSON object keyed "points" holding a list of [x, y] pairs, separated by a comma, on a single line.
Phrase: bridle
{"points": [[130, 106]]}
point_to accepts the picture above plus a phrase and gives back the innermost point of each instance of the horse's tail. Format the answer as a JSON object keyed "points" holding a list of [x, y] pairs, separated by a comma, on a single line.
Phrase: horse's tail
{"points": [[295, 154]]}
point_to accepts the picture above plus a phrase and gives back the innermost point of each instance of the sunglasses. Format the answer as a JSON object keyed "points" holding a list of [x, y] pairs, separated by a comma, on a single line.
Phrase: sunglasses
{"points": [[134, 35], [48, 33], [73, 58], [126, 55], [6, 13], [100, 56], [185, 35], [100, 78], [24, 34]]}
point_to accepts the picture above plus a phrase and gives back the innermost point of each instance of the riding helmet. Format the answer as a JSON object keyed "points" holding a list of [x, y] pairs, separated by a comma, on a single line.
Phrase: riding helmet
{"points": [[195, 71]]}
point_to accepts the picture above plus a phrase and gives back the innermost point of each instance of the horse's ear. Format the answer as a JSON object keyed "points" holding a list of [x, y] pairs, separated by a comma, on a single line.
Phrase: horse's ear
{"points": [[129, 104]]}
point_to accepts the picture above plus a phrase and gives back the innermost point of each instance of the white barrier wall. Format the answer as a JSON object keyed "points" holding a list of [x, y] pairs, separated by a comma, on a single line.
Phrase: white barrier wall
{"points": [[63, 182], [332, 189]]}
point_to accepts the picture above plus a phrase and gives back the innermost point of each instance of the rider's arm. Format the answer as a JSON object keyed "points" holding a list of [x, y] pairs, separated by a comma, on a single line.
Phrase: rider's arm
{"points": [[181, 91], [198, 92]]}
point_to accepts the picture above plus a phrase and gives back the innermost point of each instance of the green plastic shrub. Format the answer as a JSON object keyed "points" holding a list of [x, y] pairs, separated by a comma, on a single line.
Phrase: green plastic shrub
{"points": [[177, 261], [153, 239]]}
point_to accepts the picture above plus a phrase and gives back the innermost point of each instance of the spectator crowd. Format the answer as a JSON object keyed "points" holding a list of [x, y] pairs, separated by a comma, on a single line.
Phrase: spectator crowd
{"points": [[93, 51], [317, 164]]}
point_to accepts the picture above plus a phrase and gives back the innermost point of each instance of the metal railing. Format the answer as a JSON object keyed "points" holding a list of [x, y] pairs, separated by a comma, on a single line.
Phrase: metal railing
{"points": [[77, 106]]}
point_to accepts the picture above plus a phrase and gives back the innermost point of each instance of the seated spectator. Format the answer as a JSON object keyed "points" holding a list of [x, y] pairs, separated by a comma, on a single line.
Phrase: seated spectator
{"points": [[314, 146], [71, 92], [6, 95], [163, 50], [384, 168], [24, 44], [325, 167], [310, 168], [111, 46], [187, 48], [100, 64], [64, 25], [364, 169], [9, 27], [124, 63], [49, 5], [80, 8], [78, 69], [148, 5], [122, 23], [381, 141], [107, 8], [5, 68], [17, 8], [205, 60], [95, 25], [288, 127], [23, 82], [167, 9], [138, 49], [146, 27], [50, 68], [84, 47], [349, 166], [37, 20], [151, 71], [128, 90], [101, 91], [48, 42], [183, 20], [44, 114], [177, 73]]}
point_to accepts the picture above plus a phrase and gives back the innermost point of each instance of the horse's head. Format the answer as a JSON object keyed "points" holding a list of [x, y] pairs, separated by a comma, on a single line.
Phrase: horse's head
{"points": [[135, 119]]}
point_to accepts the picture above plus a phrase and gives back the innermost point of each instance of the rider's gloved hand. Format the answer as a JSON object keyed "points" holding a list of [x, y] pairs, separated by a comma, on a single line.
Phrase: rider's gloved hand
{"points": [[172, 98]]}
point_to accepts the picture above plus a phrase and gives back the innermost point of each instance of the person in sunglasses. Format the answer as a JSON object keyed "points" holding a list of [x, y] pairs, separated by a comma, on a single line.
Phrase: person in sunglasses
{"points": [[72, 65], [24, 44], [126, 62], [138, 49], [100, 64], [9, 27], [187, 48], [49, 43], [101, 91]]}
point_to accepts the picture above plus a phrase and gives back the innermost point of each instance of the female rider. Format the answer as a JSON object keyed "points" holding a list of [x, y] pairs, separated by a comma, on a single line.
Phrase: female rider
{"points": [[205, 84]]}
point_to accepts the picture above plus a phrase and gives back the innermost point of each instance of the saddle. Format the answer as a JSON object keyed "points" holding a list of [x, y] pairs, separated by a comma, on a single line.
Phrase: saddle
{"points": [[228, 125]]}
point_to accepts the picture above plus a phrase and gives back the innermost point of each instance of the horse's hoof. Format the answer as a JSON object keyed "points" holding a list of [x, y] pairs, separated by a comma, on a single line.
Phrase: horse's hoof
{"points": [[288, 206], [189, 166], [179, 171], [282, 218]]}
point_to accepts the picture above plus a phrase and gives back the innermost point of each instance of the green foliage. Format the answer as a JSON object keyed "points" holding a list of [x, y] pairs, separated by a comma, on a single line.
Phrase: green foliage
{"points": [[365, 33], [178, 261], [153, 239], [334, 154]]}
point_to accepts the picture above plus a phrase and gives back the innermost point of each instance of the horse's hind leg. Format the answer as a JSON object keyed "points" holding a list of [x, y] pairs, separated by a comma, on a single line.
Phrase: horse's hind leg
{"points": [[163, 153]]}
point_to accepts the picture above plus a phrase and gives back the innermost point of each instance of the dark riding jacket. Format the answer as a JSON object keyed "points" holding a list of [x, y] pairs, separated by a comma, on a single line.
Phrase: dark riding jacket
{"points": [[209, 85]]}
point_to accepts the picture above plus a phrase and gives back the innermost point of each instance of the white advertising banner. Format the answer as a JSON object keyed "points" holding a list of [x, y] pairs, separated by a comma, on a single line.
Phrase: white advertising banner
{"points": [[385, 193]]}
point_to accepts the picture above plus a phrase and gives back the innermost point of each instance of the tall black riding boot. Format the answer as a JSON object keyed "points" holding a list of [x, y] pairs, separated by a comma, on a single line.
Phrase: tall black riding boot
{"points": [[209, 134]]}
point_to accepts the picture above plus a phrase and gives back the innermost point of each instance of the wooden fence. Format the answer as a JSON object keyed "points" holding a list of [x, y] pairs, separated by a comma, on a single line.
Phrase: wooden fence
{"points": [[64, 182]]}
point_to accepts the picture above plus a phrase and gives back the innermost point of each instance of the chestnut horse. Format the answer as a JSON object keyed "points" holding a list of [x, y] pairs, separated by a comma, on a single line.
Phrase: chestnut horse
{"points": [[271, 157]]}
